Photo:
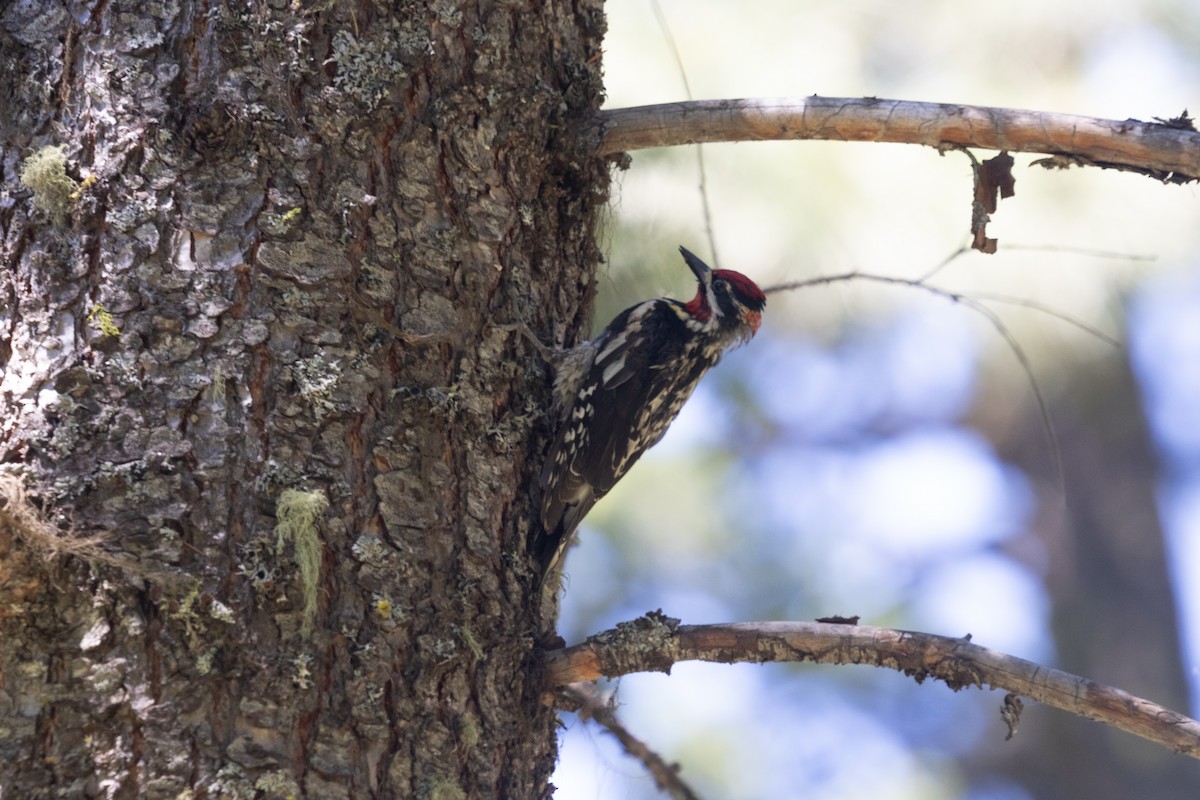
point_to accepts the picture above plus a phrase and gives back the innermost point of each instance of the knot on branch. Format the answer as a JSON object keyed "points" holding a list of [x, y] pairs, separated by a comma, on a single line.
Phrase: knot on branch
{"points": [[646, 643]]}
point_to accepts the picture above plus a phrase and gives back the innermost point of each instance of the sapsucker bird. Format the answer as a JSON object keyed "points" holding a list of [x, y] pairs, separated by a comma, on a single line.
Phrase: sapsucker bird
{"points": [[617, 393]]}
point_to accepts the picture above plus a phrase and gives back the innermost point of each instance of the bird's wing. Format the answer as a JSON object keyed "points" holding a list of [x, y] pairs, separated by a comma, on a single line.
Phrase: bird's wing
{"points": [[598, 440]]}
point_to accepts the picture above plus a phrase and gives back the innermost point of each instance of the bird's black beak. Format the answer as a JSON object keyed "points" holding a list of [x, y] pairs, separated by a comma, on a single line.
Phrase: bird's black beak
{"points": [[698, 267]]}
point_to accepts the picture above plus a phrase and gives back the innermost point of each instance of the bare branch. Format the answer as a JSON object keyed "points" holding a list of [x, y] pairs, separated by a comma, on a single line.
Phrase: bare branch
{"points": [[656, 642], [975, 303], [585, 700], [1169, 150]]}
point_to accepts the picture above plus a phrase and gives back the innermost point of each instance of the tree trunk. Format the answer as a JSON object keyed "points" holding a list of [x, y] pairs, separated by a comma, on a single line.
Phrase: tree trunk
{"points": [[252, 334]]}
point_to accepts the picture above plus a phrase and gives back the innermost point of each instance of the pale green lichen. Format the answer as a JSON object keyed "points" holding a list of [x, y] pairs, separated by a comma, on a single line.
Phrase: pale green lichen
{"points": [[279, 785], [302, 675], [45, 173], [445, 790], [218, 385], [221, 612], [87, 182], [369, 549], [448, 13], [316, 378], [204, 661], [280, 224], [383, 607], [187, 611], [372, 60], [231, 782], [366, 70], [472, 643], [102, 319], [298, 514], [469, 733]]}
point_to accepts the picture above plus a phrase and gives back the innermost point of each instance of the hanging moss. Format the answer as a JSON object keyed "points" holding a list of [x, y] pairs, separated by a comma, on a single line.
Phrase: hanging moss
{"points": [[297, 514], [45, 172]]}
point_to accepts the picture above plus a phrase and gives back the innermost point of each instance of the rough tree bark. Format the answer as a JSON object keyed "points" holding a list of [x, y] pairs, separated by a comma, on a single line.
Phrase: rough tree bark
{"points": [[263, 251]]}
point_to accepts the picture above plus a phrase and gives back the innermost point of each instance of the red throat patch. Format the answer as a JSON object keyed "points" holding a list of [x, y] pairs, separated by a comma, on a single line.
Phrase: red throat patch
{"points": [[698, 306]]}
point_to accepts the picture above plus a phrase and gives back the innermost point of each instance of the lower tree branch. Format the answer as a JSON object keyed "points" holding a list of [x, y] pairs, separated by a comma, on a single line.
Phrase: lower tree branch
{"points": [[1168, 150], [656, 642], [585, 700]]}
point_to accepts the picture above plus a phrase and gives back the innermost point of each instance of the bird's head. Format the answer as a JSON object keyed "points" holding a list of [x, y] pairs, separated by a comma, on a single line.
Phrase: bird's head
{"points": [[729, 298]]}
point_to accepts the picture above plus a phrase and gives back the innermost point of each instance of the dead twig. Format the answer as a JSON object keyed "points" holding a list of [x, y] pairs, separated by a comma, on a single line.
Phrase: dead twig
{"points": [[655, 643]]}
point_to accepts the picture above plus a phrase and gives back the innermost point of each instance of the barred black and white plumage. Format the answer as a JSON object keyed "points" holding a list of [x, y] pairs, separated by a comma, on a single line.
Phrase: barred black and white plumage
{"points": [[619, 392]]}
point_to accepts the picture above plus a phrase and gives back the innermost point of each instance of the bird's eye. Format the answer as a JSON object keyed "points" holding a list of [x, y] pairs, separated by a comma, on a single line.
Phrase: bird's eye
{"points": [[720, 284]]}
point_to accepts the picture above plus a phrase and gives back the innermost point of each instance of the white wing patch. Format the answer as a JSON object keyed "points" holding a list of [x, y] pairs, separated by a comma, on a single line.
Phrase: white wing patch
{"points": [[613, 369], [617, 343], [616, 347]]}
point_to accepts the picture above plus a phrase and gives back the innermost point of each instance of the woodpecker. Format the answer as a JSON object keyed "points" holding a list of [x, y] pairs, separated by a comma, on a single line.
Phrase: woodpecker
{"points": [[617, 393]]}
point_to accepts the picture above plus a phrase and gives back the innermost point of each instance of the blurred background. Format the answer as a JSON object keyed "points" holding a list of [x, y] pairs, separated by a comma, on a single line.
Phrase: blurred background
{"points": [[878, 450]]}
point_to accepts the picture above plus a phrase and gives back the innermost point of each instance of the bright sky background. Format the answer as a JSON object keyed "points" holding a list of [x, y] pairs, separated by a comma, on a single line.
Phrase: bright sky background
{"points": [[1165, 342], [919, 522]]}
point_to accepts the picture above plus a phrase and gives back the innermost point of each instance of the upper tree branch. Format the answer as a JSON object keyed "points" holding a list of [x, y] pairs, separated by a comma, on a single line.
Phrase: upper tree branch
{"points": [[656, 642], [1169, 151]]}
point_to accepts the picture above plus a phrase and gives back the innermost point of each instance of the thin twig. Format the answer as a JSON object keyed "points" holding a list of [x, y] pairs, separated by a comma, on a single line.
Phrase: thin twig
{"points": [[687, 90], [656, 642], [1059, 315], [1082, 251], [1043, 408], [945, 262], [994, 319], [585, 700]]}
